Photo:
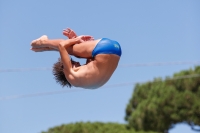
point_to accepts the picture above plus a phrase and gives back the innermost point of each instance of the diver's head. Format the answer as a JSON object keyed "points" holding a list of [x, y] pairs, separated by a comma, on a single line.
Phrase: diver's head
{"points": [[58, 72]]}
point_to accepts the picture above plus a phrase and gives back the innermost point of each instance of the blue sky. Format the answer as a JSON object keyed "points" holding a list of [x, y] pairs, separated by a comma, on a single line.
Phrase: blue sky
{"points": [[148, 31]]}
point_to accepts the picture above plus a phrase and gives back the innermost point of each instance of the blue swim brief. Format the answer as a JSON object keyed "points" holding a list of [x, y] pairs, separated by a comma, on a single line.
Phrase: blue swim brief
{"points": [[107, 46]]}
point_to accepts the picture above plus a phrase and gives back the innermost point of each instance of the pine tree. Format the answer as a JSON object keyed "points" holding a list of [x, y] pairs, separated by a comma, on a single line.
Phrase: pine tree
{"points": [[160, 104]]}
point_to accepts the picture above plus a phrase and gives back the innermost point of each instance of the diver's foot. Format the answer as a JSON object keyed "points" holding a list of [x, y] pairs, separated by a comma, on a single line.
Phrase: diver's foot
{"points": [[39, 42], [42, 49]]}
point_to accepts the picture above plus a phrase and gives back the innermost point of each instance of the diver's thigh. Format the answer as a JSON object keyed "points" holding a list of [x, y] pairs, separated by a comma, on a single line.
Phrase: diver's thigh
{"points": [[84, 49]]}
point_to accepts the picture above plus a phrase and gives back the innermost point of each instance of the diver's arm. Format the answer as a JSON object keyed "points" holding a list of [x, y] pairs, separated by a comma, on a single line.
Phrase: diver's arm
{"points": [[71, 76]]}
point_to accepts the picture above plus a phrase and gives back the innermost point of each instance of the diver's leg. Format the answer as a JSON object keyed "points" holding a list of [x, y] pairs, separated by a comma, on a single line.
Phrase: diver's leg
{"points": [[38, 42], [43, 42], [82, 50]]}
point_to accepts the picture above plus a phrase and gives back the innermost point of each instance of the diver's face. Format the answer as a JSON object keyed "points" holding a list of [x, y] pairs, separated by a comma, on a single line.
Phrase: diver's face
{"points": [[75, 64]]}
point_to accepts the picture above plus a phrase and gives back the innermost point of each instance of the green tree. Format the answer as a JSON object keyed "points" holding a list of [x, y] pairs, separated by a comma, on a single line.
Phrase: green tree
{"points": [[96, 127], [160, 104]]}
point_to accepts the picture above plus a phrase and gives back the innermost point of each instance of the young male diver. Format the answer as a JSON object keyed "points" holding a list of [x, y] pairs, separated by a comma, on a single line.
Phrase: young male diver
{"points": [[102, 57]]}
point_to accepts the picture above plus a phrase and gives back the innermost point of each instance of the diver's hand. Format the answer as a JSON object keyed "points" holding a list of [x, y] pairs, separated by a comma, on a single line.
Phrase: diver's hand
{"points": [[69, 33], [84, 38]]}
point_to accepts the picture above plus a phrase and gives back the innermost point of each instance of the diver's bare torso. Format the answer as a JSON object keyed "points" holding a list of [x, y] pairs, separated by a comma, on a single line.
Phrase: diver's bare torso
{"points": [[97, 72]]}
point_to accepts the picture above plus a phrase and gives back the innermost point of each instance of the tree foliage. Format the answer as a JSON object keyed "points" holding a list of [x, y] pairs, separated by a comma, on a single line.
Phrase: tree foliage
{"points": [[160, 104], [96, 127]]}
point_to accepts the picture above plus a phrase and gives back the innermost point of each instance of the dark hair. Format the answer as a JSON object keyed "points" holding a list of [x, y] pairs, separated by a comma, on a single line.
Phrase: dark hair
{"points": [[59, 74]]}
